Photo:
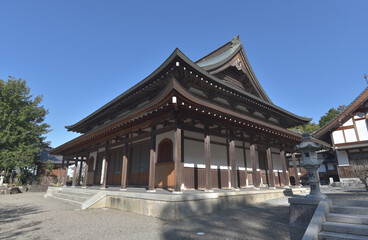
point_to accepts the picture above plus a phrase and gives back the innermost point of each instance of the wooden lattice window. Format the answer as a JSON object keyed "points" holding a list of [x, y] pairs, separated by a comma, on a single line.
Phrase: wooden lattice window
{"points": [[165, 151]]}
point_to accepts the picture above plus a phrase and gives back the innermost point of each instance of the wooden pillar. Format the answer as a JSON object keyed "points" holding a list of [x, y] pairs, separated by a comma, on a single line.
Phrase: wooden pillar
{"points": [[207, 157], [66, 173], [85, 178], [284, 168], [124, 170], [271, 174], [61, 178], [104, 166], [297, 181], [151, 184], [80, 172], [75, 172], [177, 158], [234, 172], [245, 165], [254, 164], [228, 163]]}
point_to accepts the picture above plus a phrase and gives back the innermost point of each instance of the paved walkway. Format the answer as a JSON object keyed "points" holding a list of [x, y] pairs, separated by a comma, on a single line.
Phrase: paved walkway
{"points": [[30, 216]]}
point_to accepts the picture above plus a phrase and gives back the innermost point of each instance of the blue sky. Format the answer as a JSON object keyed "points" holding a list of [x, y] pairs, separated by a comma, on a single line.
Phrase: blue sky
{"points": [[309, 56]]}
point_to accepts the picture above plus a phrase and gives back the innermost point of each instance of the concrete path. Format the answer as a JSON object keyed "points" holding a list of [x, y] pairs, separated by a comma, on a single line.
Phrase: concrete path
{"points": [[30, 216]]}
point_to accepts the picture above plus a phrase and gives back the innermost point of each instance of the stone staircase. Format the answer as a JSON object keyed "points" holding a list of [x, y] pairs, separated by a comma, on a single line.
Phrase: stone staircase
{"points": [[347, 219], [73, 195]]}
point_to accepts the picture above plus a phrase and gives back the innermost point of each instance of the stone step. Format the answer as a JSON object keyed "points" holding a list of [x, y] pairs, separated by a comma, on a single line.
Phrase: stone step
{"points": [[77, 204], [344, 218], [72, 197], [339, 236], [350, 210], [78, 192], [345, 228], [351, 203]]}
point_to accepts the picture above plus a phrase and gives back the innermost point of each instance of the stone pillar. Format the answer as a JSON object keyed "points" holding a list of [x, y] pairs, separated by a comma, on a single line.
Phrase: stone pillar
{"points": [[234, 173], [124, 167], [284, 168], [207, 158], [151, 184], [254, 165], [297, 181], [104, 166], [75, 173], [177, 158], [85, 178], [271, 174]]}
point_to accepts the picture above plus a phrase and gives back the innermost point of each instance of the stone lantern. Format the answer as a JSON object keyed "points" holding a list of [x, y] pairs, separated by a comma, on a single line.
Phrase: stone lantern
{"points": [[311, 163]]}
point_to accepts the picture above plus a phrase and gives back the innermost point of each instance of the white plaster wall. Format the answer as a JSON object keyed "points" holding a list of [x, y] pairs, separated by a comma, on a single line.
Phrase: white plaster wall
{"points": [[194, 152], [348, 122], [218, 156], [218, 139], [195, 135], [276, 162], [342, 158], [338, 137], [362, 129], [350, 135], [275, 150], [239, 156], [249, 162]]}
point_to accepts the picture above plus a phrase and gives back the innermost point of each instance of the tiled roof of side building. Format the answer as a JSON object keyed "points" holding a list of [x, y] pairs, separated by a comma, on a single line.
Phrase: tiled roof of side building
{"points": [[339, 119]]}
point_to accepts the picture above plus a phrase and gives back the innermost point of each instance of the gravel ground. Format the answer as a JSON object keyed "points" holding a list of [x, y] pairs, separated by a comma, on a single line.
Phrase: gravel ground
{"points": [[30, 216]]}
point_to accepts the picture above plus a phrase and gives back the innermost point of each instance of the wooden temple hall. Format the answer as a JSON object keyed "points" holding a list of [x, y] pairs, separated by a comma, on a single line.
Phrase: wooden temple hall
{"points": [[189, 125]]}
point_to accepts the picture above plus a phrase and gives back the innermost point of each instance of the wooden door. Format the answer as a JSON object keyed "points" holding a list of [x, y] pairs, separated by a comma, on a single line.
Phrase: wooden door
{"points": [[97, 177], [139, 164], [263, 164]]}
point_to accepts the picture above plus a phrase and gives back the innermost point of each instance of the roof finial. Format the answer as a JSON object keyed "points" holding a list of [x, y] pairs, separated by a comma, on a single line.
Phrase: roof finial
{"points": [[235, 41], [366, 77]]}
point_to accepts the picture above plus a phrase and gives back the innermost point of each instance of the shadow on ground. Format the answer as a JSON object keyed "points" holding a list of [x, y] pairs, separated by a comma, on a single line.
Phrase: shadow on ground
{"points": [[262, 221], [10, 214]]}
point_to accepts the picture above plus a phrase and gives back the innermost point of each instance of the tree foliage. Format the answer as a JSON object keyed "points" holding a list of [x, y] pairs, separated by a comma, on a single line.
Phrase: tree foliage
{"points": [[308, 128], [331, 114], [312, 127], [22, 126]]}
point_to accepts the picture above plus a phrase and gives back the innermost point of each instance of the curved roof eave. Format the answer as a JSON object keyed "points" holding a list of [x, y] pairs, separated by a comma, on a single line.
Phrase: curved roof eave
{"points": [[127, 92], [178, 53]]}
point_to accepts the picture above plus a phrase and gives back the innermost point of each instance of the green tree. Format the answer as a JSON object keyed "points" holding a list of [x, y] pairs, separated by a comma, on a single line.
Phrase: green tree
{"points": [[331, 114], [308, 127], [22, 126]]}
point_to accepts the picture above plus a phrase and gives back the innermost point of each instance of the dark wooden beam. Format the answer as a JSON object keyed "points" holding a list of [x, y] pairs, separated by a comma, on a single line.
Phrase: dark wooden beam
{"points": [[151, 178], [271, 174], [177, 156], [254, 164], [207, 157]]}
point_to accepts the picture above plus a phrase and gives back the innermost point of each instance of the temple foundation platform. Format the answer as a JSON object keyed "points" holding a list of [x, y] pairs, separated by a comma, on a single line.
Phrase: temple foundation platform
{"points": [[165, 205]]}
